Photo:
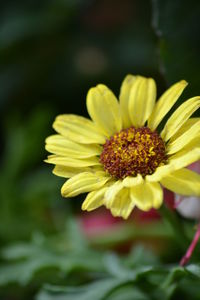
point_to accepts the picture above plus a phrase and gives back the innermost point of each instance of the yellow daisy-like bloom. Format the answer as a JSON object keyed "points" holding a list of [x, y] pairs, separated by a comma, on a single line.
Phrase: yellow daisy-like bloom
{"points": [[118, 156]]}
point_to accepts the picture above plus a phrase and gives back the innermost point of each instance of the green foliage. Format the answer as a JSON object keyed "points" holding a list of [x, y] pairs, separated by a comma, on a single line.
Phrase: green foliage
{"points": [[51, 52], [90, 273], [26, 189], [138, 284]]}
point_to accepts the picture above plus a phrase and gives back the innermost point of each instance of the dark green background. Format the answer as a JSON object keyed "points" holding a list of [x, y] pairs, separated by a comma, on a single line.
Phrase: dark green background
{"points": [[51, 53]]}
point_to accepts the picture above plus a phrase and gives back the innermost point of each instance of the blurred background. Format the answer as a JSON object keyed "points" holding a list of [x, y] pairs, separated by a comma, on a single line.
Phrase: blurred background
{"points": [[51, 53]]}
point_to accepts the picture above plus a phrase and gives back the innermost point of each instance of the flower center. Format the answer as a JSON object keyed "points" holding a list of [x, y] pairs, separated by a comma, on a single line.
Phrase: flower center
{"points": [[133, 151]]}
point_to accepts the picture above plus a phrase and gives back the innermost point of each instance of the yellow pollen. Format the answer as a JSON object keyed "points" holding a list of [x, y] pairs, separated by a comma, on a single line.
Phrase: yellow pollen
{"points": [[133, 151]]}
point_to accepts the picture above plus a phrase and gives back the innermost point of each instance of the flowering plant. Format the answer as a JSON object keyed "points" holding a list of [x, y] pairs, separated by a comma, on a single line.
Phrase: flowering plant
{"points": [[118, 156]]}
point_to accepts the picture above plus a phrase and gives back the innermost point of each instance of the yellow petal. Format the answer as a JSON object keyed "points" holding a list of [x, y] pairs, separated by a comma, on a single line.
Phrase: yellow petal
{"points": [[122, 204], [72, 162], [83, 183], [193, 145], [60, 145], [179, 117], [147, 195], [192, 133], [111, 193], [130, 181], [189, 123], [78, 129], [183, 182], [165, 103], [94, 199], [178, 161], [104, 109], [124, 98], [68, 172], [142, 100]]}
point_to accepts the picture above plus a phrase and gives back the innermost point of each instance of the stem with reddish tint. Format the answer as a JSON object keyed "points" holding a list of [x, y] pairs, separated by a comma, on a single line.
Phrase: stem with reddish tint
{"points": [[191, 248]]}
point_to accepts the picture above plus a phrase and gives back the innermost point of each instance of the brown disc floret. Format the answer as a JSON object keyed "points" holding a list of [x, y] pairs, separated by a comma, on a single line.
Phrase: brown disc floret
{"points": [[133, 151]]}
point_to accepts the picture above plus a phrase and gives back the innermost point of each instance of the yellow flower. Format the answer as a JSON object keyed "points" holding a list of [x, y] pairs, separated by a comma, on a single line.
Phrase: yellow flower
{"points": [[118, 156]]}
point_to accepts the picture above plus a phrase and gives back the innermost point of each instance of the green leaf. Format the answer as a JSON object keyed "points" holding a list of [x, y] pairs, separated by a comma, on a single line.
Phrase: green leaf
{"points": [[35, 257], [140, 255], [115, 267], [97, 290], [18, 251], [176, 275], [193, 269], [128, 292], [171, 281]]}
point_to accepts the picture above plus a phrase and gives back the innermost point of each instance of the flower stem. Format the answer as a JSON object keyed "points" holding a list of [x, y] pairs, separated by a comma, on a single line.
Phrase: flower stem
{"points": [[191, 248]]}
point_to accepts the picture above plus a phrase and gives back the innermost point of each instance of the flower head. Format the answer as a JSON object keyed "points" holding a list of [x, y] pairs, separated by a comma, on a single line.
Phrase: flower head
{"points": [[118, 156]]}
